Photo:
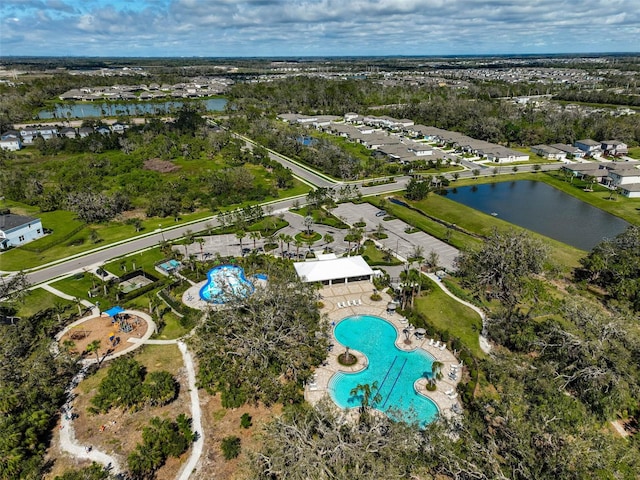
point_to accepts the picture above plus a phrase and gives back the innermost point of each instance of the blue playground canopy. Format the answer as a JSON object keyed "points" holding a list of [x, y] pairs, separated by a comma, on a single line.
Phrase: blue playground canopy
{"points": [[113, 311]]}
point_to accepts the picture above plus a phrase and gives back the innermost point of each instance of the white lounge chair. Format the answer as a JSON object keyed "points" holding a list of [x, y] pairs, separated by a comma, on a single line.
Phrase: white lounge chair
{"points": [[437, 344], [431, 341], [453, 395], [443, 346], [359, 301], [449, 392], [349, 303]]}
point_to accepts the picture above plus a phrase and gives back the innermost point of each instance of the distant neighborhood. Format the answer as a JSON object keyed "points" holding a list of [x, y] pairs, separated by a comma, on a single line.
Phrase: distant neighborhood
{"points": [[403, 141], [199, 87], [14, 140]]}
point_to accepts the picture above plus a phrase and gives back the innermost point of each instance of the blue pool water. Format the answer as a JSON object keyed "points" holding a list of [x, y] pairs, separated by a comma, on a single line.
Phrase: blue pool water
{"points": [[224, 283], [394, 370]]}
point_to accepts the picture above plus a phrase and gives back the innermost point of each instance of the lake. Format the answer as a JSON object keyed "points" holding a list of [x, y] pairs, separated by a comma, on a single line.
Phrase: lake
{"points": [[543, 209], [104, 109]]}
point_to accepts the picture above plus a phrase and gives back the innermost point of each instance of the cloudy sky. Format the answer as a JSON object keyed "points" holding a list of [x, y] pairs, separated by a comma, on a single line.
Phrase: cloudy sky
{"points": [[223, 28]]}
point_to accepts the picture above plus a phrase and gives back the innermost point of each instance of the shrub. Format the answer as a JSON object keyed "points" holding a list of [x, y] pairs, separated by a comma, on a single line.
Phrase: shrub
{"points": [[245, 420], [230, 447]]}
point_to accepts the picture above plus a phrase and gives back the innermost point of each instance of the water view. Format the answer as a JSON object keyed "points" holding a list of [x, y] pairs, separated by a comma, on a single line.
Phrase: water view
{"points": [[394, 370], [104, 109], [543, 209]]}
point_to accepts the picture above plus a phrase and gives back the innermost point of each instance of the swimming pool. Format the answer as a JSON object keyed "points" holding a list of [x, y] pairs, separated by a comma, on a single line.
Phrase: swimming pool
{"points": [[395, 370], [224, 283]]}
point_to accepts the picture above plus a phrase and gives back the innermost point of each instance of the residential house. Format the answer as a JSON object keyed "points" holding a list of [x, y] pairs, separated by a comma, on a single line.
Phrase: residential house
{"points": [[48, 132], [548, 152], [614, 148], [17, 230], [103, 130], [68, 132], [627, 180], [119, 127], [28, 134], [588, 146], [85, 131], [569, 150], [11, 140]]}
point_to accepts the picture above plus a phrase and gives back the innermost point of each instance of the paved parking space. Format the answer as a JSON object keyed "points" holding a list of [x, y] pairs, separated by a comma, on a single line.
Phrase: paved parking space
{"points": [[400, 242]]}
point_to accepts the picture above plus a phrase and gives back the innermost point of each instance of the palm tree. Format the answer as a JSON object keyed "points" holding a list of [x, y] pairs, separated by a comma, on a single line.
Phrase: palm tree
{"points": [[456, 175], [188, 240], [255, 236], [328, 238], [370, 395], [200, 241], [282, 238], [475, 172], [436, 374], [298, 243], [240, 235], [94, 347], [308, 223]]}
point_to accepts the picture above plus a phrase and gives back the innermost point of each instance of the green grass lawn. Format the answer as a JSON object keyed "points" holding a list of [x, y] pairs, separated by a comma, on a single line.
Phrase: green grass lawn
{"points": [[79, 287], [145, 260], [634, 152], [374, 256], [445, 313], [172, 328], [40, 299]]}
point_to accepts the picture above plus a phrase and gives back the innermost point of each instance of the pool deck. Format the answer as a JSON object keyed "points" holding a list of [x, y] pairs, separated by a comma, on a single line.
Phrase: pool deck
{"points": [[361, 292]]}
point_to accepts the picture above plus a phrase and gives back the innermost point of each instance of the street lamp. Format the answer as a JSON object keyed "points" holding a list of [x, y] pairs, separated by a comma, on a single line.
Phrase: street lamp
{"points": [[161, 232]]}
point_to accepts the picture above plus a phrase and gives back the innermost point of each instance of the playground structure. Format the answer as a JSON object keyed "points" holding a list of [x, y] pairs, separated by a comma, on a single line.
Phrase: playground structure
{"points": [[112, 331]]}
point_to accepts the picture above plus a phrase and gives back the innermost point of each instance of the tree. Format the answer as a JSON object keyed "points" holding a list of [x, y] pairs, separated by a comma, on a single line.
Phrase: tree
{"points": [[503, 266], [255, 236], [308, 224], [188, 240], [201, 242], [265, 346], [240, 234], [536, 168], [476, 172], [369, 395], [418, 189], [230, 447], [328, 239], [94, 347]]}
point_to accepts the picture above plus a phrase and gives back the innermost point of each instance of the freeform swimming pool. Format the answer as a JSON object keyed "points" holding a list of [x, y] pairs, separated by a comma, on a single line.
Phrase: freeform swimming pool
{"points": [[395, 370], [224, 283]]}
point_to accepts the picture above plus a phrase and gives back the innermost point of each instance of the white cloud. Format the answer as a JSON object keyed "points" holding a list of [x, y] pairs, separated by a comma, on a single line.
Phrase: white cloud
{"points": [[317, 27]]}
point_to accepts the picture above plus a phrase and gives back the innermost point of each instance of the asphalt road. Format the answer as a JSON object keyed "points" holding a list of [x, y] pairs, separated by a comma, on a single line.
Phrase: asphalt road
{"points": [[87, 260]]}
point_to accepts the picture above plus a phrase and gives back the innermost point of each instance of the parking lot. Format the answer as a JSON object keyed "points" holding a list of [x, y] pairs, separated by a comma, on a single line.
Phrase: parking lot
{"points": [[398, 241]]}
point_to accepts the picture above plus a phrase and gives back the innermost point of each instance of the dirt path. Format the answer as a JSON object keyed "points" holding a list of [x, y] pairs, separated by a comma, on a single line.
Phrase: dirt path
{"points": [[68, 441]]}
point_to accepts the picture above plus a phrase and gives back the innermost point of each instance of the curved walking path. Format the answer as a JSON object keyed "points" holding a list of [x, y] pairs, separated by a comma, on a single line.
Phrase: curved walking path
{"points": [[69, 444], [485, 346], [196, 415]]}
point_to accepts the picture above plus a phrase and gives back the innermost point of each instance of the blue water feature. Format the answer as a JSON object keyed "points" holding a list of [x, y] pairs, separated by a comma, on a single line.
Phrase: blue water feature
{"points": [[103, 109], [226, 282], [543, 209], [394, 370]]}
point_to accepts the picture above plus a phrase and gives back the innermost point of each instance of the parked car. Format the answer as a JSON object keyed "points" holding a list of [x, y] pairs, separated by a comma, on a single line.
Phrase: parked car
{"points": [[381, 213]]}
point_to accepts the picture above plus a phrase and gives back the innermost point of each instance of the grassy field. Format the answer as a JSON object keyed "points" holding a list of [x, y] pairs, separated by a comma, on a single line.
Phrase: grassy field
{"points": [[445, 313], [38, 300], [63, 223], [145, 260], [472, 221], [634, 152]]}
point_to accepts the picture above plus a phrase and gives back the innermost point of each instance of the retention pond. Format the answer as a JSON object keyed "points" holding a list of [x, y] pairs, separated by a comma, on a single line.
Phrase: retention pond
{"points": [[543, 209]]}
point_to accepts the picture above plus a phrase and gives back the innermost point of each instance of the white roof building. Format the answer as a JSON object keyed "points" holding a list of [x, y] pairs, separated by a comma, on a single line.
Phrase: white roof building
{"points": [[334, 270]]}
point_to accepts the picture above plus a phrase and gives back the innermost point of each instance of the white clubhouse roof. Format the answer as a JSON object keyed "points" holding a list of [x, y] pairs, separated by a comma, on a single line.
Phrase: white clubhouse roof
{"points": [[332, 269]]}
